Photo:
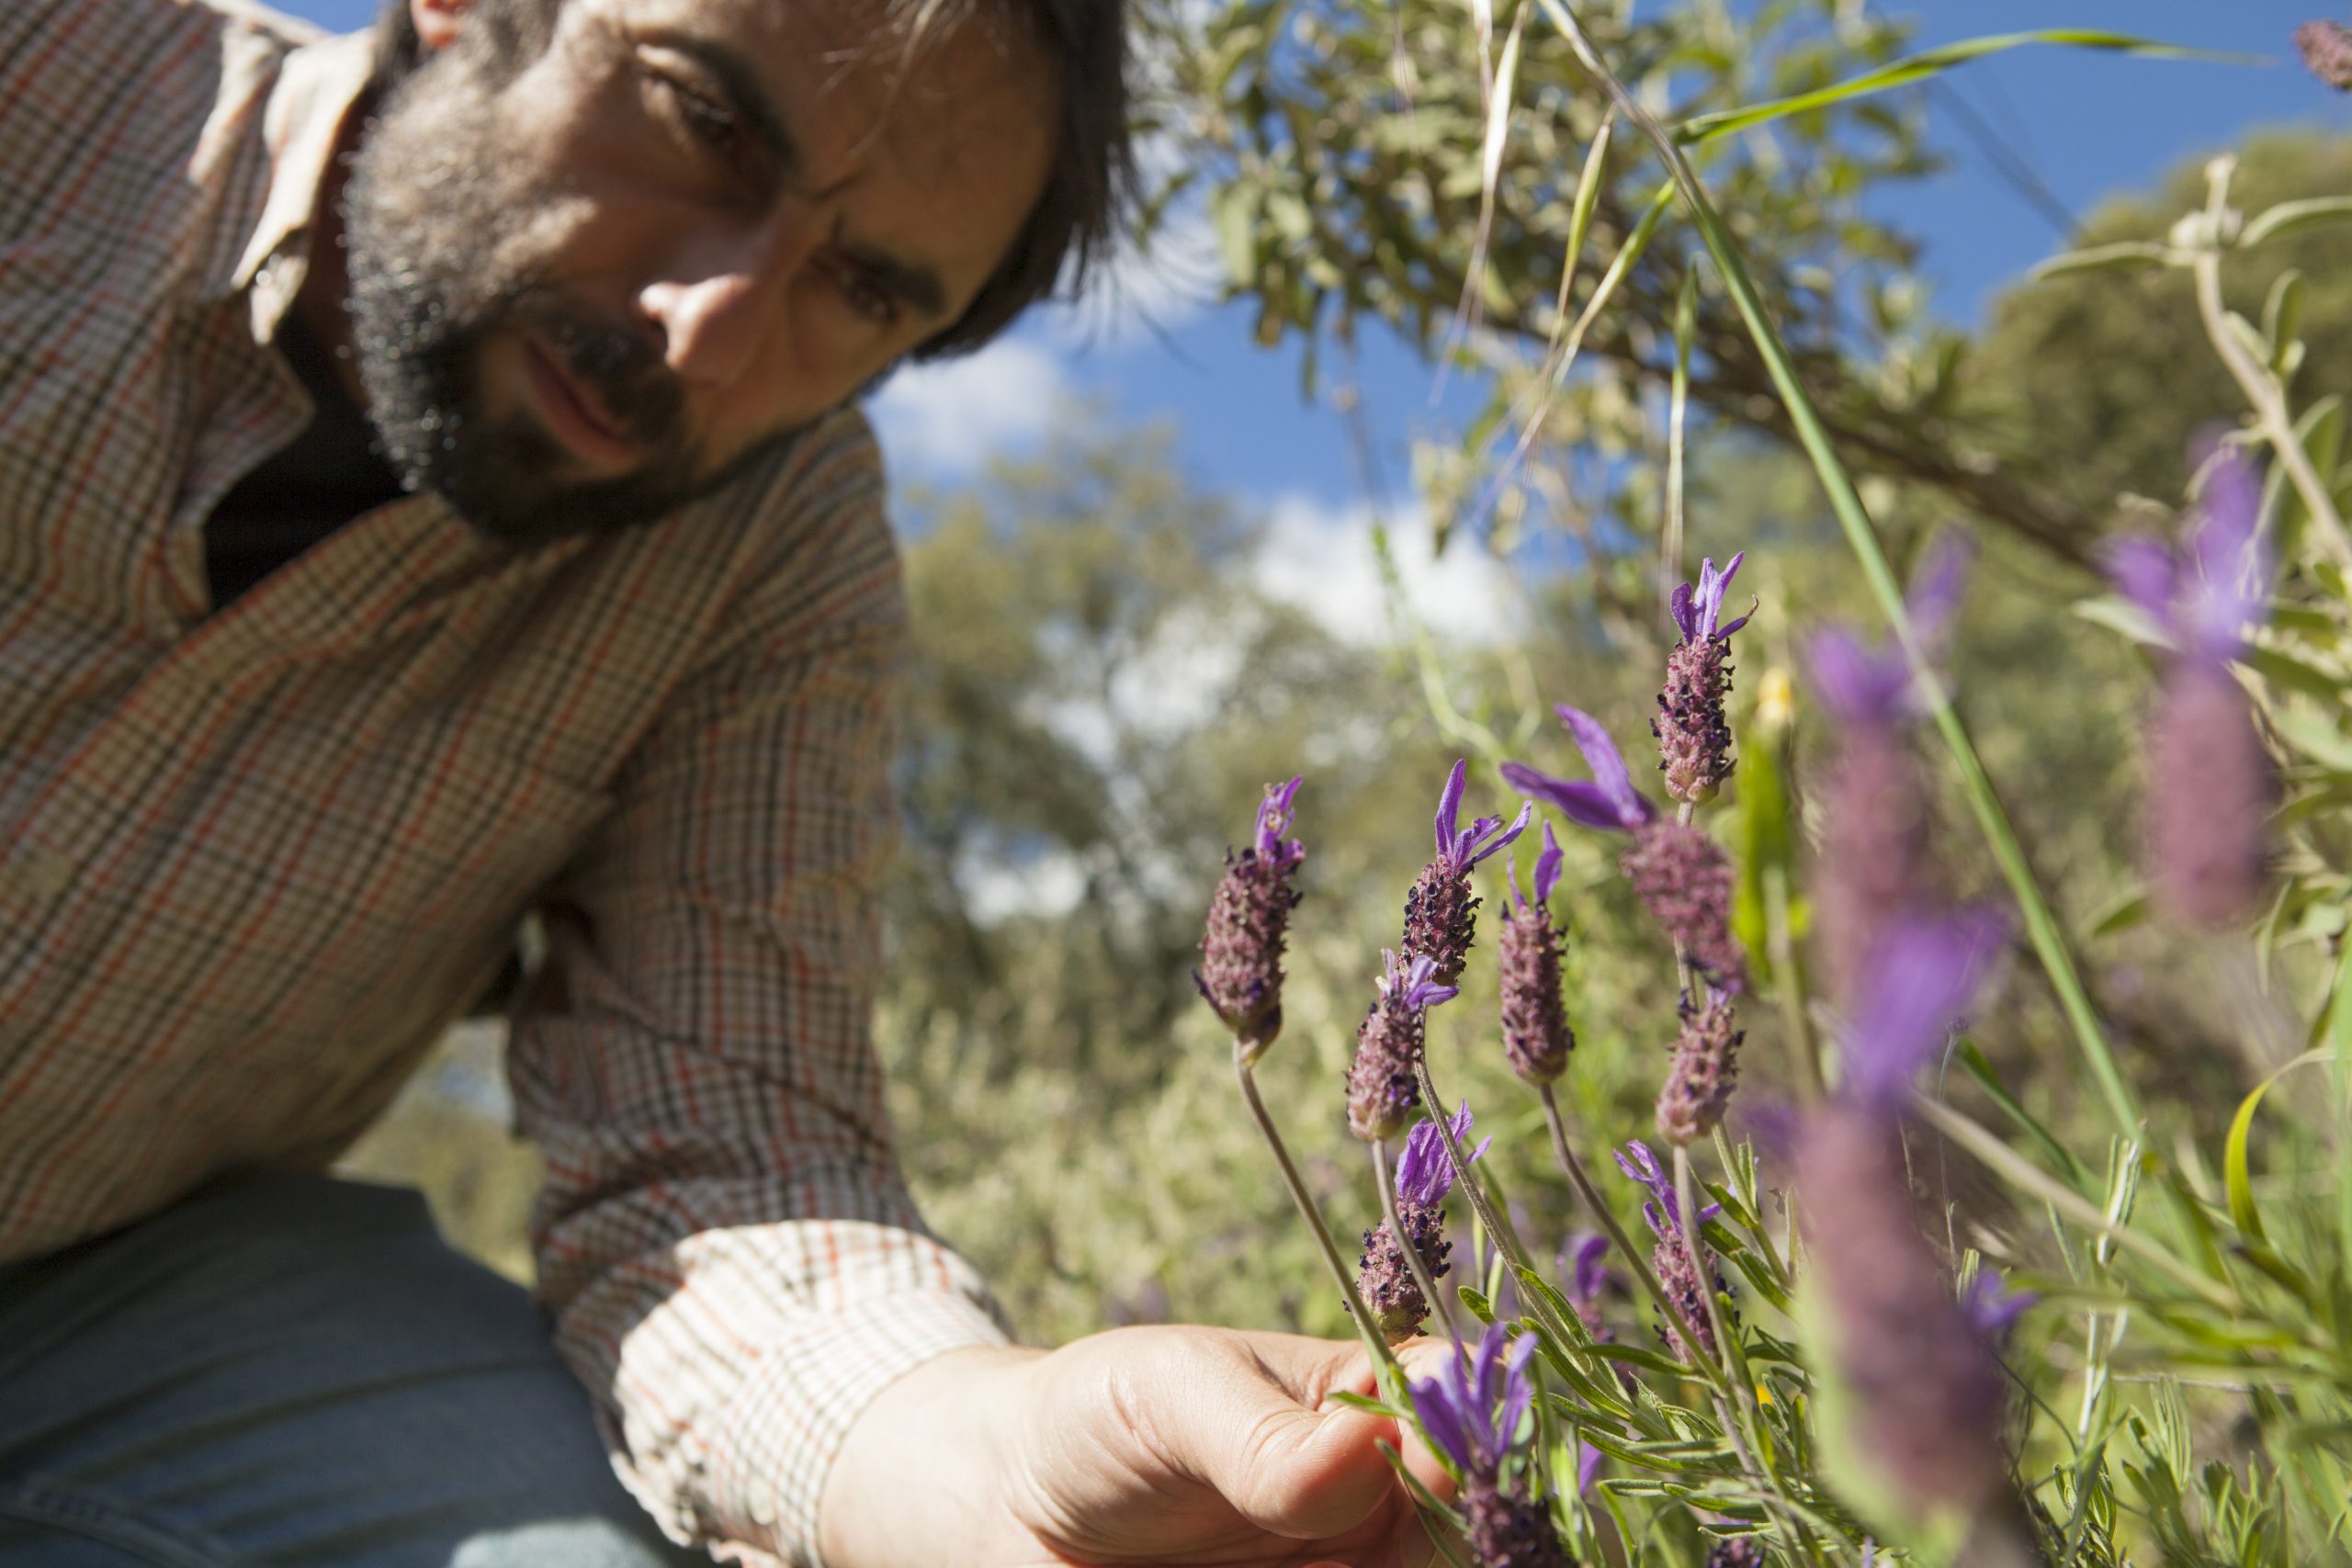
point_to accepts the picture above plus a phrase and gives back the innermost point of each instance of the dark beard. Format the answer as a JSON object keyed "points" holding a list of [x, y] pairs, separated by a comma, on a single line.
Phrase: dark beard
{"points": [[438, 231]]}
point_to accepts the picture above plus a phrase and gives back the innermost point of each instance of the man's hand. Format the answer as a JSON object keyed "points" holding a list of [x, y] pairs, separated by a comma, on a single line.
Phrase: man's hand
{"points": [[1165, 1446]]}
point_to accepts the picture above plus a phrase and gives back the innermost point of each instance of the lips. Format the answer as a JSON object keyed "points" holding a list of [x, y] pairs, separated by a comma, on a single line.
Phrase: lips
{"points": [[573, 413]]}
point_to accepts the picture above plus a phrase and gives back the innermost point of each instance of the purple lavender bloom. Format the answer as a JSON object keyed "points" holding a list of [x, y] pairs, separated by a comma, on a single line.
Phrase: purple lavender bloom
{"points": [[1383, 1092], [1679, 874], [2326, 48], [1536, 1036], [1736, 1551], [1384, 1274], [1241, 950], [1706, 1067], [1922, 973], [1440, 913], [1693, 737], [1678, 1274], [1472, 1410], [1873, 861], [2210, 784]]}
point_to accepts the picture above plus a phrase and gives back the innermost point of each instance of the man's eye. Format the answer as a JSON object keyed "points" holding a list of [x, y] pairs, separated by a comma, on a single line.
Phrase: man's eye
{"points": [[867, 295], [710, 122]]}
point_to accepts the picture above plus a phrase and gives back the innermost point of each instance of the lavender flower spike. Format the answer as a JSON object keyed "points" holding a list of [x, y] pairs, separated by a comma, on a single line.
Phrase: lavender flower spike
{"points": [[2211, 785], [1536, 1036], [1678, 1273], [1382, 1093], [1693, 737], [1241, 950], [1472, 1413], [1921, 976], [2326, 48], [1707, 1065], [1441, 912], [1383, 1275]]}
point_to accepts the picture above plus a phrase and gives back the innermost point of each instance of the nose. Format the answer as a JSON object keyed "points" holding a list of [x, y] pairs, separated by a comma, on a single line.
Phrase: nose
{"points": [[720, 297]]}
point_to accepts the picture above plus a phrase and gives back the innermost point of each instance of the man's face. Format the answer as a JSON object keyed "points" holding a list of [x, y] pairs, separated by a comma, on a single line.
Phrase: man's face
{"points": [[591, 284]]}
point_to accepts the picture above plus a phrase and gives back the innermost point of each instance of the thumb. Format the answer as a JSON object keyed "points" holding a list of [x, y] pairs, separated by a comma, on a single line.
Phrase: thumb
{"points": [[1289, 1468]]}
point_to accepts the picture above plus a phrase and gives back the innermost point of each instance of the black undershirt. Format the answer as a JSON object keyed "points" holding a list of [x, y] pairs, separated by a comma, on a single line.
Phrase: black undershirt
{"points": [[330, 475]]}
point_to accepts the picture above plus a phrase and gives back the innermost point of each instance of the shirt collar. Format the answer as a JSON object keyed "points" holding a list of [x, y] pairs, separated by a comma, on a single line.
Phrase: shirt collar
{"points": [[315, 90]]}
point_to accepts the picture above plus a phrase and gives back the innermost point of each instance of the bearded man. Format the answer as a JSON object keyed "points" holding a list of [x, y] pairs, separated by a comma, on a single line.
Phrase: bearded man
{"points": [[429, 492]]}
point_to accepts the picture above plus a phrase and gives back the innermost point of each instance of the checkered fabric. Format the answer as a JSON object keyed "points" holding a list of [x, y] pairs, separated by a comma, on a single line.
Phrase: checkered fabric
{"points": [[252, 863]]}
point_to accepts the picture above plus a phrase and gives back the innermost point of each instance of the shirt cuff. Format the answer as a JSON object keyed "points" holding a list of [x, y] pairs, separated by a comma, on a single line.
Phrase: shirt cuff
{"points": [[797, 1404]]}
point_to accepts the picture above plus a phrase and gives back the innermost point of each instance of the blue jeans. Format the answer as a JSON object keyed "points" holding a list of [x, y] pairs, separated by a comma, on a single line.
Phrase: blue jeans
{"points": [[290, 1371]]}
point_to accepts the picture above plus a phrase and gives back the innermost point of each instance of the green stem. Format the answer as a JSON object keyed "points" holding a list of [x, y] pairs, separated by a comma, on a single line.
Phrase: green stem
{"points": [[2041, 923], [1382, 1359]]}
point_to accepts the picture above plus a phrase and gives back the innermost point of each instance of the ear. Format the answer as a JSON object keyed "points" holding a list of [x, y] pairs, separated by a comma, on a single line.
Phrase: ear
{"points": [[438, 21]]}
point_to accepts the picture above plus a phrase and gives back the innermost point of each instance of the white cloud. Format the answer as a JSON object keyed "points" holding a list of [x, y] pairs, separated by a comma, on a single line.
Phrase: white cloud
{"points": [[1141, 292], [944, 420], [1321, 559]]}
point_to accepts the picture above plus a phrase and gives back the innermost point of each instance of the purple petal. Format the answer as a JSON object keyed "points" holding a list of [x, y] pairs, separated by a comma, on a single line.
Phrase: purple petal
{"points": [[1588, 1466], [1920, 974], [1991, 1307], [1590, 1277], [1444, 1417], [1449, 805], [1937, 587], [1679, 602], [1579, 800], [2144, 571], [1730, 626], [1547, 866], [1274, 815], [1858, 685], [2232, 573], [1477, 852]]}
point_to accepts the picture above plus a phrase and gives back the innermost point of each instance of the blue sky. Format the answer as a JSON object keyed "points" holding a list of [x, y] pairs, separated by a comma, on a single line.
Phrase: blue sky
{"points": [[2088, 125]]}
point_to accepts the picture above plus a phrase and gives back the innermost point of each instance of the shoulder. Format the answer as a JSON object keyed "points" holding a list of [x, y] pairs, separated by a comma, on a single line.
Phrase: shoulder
{"points": [[818, 529]]}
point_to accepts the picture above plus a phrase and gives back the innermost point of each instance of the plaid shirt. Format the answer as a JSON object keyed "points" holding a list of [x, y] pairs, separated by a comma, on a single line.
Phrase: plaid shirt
{"points": [[252, 863]]}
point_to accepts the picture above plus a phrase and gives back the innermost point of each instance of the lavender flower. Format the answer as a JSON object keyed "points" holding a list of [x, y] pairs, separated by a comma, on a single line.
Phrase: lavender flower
{"points": [[1873, 859], [1679, 873], [1589, 1281], [2326, 48], [1242, 950], [1992, 1308], [1472, 1413], [1536, 1036], [1383, 1275], [1929, 1400], [1736, 1551], [1382, 1091], [1693, 737], [1928, 1397], [1678, 1274], [1699, 1084], [2210, 786], [1440, 914]]}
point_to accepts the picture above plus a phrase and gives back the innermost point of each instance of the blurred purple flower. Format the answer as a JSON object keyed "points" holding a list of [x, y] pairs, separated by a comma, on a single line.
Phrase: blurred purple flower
{"points": [[1872, 683], [1679, 874], [1240, 972], [2326, 48], [1698, 610], [1472, 1410], [1991, 1308], [2203, 596], [1441, 912], [1382, 1091], [1424, 1174], [1921, 975]]}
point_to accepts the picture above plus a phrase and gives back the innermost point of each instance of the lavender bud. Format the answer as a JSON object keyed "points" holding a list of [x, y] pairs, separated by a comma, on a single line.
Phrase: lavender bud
{"points": [[2326, 48], [1736, 1551], [1693, 737], [1873, 861], [1536, 1036], [1699, 1084], [1384, 1277], [1382, 1093], [1441, 918], [1241, 950], [1930, 1398], [2211, 791], [1684, 879], [1670, 1261], [1508, 1530]]}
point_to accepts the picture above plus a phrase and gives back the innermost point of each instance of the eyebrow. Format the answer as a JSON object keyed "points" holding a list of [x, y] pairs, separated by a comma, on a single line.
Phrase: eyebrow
{"points": [[913, 283]]}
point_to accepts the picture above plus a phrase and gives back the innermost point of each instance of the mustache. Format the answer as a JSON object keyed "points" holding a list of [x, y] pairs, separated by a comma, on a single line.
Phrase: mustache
{"points": [[623, 368]]}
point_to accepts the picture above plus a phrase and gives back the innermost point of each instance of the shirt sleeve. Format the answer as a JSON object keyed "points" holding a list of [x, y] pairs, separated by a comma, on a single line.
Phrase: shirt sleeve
{"points": [[735, 1266]]}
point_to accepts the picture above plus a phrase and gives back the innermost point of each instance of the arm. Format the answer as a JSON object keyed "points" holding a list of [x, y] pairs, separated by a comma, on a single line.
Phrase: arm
{"points": [[734, 1264]]}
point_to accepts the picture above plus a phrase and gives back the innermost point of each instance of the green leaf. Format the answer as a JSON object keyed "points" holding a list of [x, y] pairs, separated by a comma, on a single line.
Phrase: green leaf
{"points": [[2103, 258], [1919, 67], [2235, 1153], [1363, 1402], [2292, 217], [1973, 1058], [2125, 912]]}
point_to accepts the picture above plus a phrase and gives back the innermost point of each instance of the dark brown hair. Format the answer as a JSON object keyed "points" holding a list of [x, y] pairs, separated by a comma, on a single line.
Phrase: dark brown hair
{"points": [[1077, 221]]}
